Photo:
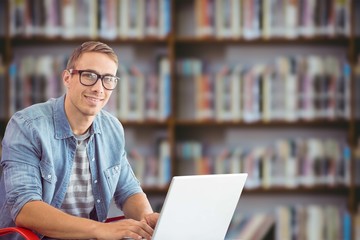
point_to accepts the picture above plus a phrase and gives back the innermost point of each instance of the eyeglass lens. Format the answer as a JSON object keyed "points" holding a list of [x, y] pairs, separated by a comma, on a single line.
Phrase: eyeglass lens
{"points": [[89, 79]]}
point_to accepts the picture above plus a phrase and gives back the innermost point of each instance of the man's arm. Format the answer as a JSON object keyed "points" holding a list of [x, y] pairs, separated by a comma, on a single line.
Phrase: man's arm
{"points": [[138, 207], [49, 221]]}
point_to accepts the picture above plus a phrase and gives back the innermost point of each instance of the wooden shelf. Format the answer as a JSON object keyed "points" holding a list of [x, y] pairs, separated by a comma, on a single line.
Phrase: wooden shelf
{"points": [[323, 189], [308, 124], [145, 123], [336, 40], [39, 40]]}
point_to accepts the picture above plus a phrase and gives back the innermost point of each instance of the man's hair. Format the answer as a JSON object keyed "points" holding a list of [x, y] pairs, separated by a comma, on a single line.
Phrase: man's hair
{"points": [[91, 46]]}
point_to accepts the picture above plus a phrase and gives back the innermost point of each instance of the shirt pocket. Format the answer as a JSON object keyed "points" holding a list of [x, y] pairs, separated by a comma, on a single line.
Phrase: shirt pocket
{"points": [[112, 175], [47, 173], [48, 181]]}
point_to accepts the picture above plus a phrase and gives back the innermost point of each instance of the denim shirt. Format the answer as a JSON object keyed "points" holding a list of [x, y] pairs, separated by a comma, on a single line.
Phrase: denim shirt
{"points": [[37, 157]]}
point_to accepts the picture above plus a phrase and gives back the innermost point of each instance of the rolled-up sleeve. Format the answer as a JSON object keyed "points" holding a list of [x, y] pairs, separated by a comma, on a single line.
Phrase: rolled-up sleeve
{"points": [[20, 162]]}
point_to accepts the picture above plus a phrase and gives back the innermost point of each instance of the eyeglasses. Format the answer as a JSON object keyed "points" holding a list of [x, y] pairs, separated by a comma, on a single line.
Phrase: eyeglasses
{"points": [[88, 78]]}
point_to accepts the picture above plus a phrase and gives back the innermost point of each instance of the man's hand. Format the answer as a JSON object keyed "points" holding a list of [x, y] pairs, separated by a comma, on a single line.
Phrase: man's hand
{"points": [[151, 219], [125, 229]]}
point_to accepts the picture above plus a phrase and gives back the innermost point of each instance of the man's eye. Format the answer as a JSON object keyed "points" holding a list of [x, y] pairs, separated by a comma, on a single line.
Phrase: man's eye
{"points": [[90, 76], [109, 79]]}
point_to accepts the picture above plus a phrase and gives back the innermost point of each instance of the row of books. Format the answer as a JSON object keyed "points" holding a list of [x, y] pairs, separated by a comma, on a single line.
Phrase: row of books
{"points": [[254, 226], [283, 163], [296, 88], [141, 96], [357, 88], [289, 88], [34, 79], [152, 170], [138, 96], [252, 19], [108, 19], [356, 12], [357, 226], [312, 222], [356, 156]]}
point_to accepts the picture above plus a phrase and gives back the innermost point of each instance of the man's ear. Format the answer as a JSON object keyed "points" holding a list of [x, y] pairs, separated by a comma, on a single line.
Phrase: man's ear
{"points": [[66, 78]]}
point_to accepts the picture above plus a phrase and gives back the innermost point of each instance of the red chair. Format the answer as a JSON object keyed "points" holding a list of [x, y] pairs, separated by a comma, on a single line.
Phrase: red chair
{"points": [[26, 233], [29, 235]]}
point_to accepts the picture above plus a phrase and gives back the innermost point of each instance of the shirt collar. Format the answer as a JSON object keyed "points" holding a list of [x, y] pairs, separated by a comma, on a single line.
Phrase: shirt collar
{"points": [[62, 126]]}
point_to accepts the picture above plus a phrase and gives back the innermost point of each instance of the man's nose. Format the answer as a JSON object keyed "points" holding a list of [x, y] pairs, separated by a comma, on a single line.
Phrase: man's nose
{"points": [[98, 86]]}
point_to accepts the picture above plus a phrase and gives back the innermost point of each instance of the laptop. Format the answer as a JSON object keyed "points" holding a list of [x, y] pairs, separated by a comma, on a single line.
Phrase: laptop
{"points": [[199, 207]]}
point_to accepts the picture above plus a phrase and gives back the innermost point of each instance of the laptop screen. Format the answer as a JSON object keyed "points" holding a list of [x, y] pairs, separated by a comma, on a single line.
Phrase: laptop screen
{"points": [[199, 206]]}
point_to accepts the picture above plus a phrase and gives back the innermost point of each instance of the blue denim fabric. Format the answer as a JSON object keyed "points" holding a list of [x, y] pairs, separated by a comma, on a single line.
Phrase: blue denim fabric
{"points": [[37, 156]]}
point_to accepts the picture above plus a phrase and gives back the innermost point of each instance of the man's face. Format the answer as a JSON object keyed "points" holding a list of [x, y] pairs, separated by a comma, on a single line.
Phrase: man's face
{"points": [[83, 100]]}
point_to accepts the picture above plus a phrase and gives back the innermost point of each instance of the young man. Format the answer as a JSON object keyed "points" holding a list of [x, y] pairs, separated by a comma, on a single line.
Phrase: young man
{"points": [[64, 160]]}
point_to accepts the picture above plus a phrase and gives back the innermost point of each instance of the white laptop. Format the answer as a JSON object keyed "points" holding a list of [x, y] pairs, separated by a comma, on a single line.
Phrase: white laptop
{"points": [[199, 207]]}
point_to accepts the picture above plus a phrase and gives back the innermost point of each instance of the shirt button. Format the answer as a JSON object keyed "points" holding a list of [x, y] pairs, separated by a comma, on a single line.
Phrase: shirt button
{"points": [[95, 181], [116, 168], [98, 201], [49, 176]]}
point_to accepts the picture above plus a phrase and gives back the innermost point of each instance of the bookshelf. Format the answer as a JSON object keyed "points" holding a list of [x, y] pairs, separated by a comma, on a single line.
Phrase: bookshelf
{"points": [[191, 36], [356, 107], [204, 50]]}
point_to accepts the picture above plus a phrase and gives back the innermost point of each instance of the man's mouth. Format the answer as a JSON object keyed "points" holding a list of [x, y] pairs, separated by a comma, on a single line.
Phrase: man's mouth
{"points": [[93, 99]]}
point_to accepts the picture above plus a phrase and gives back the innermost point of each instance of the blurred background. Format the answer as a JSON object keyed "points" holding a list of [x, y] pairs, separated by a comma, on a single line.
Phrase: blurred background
{"points": [[266, 87]]}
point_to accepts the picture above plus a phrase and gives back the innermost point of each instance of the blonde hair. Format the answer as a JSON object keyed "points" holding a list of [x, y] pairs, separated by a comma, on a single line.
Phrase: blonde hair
{"points": [[91, 46]]}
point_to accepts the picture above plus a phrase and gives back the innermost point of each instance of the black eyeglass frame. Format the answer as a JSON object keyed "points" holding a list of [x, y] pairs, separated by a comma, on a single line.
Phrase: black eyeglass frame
{"points": [[99, 76]]}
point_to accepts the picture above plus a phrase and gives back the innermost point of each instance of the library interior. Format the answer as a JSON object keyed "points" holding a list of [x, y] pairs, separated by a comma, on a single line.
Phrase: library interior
{"points": [[270, 88]]}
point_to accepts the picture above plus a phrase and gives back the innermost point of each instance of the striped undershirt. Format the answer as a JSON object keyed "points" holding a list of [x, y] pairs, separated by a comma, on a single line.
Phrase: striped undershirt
{"points": [[79, 199]]}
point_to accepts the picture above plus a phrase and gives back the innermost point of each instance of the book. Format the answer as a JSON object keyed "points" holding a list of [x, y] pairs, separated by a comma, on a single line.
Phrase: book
{"points": [[53, 18], [152, 97], [236, 95], [291, 19], [307, 13], [136, 92], [204, 17], [283, 223], [204, 97], [131, 18], [290, 77], [267, 94], [106, 16], [17, 17], [68, 18], [251, 19], [164, 88], [255, 227], [165, 171], [356, 226], [138, 164], [152, 12], [222, 18], [236, 18], [251, 93], [164, 17], [222, 89], [135, 14]]}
